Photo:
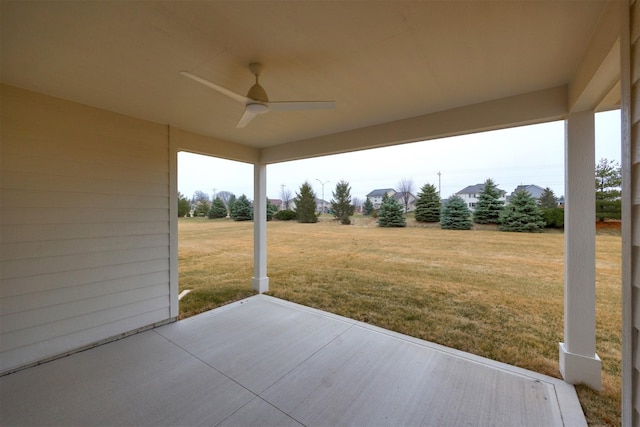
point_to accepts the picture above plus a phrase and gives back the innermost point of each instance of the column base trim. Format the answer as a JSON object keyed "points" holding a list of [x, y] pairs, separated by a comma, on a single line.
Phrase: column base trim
{"points": [[260, 285], [580, 369]]}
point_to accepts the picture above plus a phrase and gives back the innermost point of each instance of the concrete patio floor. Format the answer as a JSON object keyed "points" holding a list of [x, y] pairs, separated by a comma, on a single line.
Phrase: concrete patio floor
{"points": [[267, 362]]}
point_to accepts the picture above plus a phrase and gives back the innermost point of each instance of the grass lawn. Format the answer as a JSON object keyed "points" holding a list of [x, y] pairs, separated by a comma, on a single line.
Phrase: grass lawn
{"points": [[494, 294]]}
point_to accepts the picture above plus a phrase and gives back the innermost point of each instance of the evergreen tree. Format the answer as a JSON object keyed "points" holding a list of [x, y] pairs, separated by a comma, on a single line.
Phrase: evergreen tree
{"points": [[548, 200], [271, 210], [455, 215], [391, 213], [608, 180], [428, 204], [242, 209], [184, 206], [367, 208], [341, 203], [231, 202], [521, 214], [218, 209], [608, 190], [489, 205], [552, 215], [306, 204]]}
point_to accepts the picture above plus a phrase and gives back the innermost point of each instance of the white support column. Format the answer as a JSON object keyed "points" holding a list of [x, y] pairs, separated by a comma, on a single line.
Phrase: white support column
{"points": [[260, 281], [579, 363]]}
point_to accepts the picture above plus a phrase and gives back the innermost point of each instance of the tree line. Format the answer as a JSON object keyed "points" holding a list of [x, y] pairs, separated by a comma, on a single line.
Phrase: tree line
{"points": [[522, 214]]}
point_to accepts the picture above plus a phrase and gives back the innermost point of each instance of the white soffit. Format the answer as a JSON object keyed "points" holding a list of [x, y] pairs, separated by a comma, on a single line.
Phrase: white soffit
{"points": [[381, 61]]}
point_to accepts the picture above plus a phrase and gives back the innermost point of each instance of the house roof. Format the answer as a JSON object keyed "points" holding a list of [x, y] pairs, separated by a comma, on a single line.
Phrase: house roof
{"points": [[472, 189], [380, 192], [398, 71], [534, 190], [400, 195]]}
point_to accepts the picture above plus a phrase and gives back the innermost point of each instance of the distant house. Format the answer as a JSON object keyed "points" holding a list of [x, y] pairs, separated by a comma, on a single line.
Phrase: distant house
{"points": [[534, 190], [277, 203], [322, 204], [376, 196], [400, 196], [471, 194]]}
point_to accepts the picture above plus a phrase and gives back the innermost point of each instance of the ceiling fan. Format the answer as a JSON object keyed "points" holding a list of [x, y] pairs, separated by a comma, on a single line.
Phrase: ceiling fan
{"points": [[257, 102]]}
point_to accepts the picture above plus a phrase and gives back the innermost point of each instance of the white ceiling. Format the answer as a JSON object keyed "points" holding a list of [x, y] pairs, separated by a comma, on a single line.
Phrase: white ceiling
{"points": [[381, 61]]}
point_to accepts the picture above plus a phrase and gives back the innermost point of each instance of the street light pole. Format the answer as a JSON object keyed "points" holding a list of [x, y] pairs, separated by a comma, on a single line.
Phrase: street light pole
{"points": [[322, 183]]}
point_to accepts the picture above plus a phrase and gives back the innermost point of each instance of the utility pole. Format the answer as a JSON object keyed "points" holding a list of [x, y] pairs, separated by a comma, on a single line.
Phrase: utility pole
{"points": [[322, 183], [439, 184]]}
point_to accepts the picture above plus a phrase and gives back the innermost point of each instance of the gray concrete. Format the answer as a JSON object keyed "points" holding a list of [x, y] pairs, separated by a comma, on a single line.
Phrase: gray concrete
{"points": [[263, 361]]}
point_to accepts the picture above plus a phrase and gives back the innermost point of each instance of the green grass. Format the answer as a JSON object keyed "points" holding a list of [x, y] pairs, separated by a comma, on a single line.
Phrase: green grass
{"points": [[494, 294]]}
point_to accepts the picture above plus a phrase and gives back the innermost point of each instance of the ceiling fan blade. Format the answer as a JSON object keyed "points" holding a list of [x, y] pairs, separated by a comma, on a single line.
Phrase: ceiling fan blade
{"points": [[231, 94], [301, 105], [246, 118]]}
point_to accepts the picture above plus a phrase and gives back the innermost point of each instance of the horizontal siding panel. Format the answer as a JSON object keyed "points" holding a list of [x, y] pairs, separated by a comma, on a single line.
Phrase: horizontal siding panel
{"points": [[71, 294], [635, 59], [635, 22], [635, 190], [44, 331], [70, 124], [85, 232], [57, 264], [68, 199], [53, 182], [31, 285], [77, 143], [43, 232], [147, 170], [42, 249], [635, 138], [636, 305], [58, 345], [635, 239], [635, 104], [81, 216], [33, 318]]}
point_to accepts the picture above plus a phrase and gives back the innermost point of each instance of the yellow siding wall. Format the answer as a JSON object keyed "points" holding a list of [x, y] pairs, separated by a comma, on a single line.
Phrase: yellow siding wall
{"points": [[84, 226]]}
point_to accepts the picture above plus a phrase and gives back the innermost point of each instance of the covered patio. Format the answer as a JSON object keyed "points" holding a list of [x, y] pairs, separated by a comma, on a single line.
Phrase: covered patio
{"points": [[96, 105], [297, 366]]}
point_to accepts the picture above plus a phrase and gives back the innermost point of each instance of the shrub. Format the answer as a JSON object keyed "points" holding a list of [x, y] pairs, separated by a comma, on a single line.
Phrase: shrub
{"points": [[608, 209], [553, 218], [285, 215]]}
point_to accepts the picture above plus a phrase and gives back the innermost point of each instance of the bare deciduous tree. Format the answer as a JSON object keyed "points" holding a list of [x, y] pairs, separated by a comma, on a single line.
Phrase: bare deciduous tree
{"points": [[357, 204], [405, 190], [285, 196], [225, 196]]}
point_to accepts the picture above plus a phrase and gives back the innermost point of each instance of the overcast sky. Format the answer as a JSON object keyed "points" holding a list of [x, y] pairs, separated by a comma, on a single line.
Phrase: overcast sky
{"points": [[524, 155]]}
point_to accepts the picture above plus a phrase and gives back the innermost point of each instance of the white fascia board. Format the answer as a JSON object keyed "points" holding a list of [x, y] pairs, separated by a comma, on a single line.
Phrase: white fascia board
{"points": [[599, 71], [524, 109], [184, 140]]}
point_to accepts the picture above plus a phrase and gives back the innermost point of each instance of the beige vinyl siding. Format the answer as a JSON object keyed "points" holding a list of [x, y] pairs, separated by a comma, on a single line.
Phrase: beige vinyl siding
{"points": [[631, 215], [85, 226]]}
